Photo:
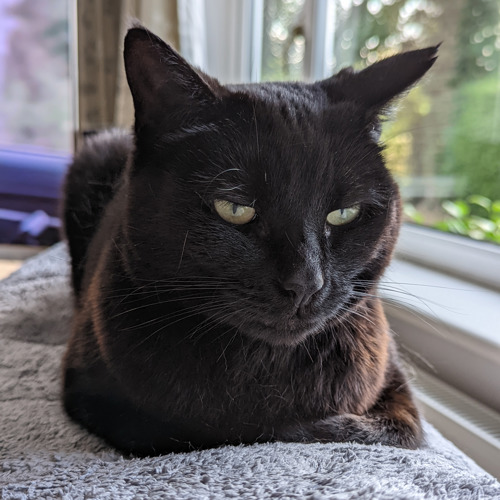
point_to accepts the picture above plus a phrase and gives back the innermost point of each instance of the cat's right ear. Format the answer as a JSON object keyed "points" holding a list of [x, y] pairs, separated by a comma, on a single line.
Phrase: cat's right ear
{"points": [[378, 84], [162, 82]]}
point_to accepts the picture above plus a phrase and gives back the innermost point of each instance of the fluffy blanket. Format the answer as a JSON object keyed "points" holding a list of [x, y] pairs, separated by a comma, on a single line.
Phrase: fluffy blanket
{"points": [[43, 455]]}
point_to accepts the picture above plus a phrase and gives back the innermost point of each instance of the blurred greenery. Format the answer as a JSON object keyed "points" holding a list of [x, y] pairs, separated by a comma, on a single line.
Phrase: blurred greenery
{"points": [[477, 39], [472, 152], [477, 217], [459, 107], [283, 43], [444, 145]]}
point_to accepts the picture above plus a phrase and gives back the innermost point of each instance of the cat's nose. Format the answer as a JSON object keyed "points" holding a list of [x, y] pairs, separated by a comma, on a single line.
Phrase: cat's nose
{"points": [[303, 285]]}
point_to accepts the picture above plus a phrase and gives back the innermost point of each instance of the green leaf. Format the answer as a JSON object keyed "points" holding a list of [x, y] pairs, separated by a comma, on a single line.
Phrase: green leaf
{"points": [[482, 201], [452, 226], [411, 212], [457, 209], [495, 206], [460, 227], [442, 225], [482, 223], [477, 234]]}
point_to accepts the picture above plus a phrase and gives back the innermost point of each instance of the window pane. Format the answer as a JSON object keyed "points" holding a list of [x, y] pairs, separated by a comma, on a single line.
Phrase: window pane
{"points": [[35, 105], [284, 43], [444, 146], [35, 118]]}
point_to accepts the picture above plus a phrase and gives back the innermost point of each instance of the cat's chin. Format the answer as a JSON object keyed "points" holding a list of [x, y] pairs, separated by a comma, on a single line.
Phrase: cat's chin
{"points": [[286, 335]]}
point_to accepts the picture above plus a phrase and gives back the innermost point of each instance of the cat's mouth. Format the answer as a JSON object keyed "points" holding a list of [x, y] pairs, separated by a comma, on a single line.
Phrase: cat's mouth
{"points": [[287, 332], [285, 324]]}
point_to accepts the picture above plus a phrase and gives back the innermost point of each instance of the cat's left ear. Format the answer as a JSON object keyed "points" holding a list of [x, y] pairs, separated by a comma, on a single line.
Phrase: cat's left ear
{"points": [[163, 84], [378, 84]]}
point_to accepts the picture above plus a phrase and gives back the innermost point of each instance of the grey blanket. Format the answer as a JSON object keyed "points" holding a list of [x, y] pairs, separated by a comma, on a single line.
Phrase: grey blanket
{"points": [[45, 455]]}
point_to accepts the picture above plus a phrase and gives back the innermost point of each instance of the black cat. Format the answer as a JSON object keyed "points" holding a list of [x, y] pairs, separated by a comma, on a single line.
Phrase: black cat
{"points": [[225, 261]]}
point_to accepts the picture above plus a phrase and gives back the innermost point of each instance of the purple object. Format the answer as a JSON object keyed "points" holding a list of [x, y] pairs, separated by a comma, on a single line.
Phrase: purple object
{"points": [[30, 192]]}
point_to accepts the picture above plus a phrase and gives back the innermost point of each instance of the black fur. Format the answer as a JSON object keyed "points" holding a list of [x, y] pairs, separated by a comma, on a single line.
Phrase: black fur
{"points": [[192, 332]]}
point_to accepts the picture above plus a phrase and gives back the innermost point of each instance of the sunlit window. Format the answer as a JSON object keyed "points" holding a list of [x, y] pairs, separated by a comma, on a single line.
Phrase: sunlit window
{"points": [[35, 107], [444, 145], [36, 126], [284, 41]]}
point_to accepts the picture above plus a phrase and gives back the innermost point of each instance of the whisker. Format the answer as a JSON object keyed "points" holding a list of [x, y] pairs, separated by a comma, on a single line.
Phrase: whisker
{"points": [[183, 317], [183, 249], [192, 309]]}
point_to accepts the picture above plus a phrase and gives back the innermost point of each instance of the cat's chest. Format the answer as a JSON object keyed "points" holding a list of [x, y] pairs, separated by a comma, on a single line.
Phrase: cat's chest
{"points": [[297, 383], [248, 383]]}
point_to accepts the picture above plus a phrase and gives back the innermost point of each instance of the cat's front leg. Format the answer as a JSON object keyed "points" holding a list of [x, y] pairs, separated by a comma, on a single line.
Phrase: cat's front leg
{"points": [[393, 421]]}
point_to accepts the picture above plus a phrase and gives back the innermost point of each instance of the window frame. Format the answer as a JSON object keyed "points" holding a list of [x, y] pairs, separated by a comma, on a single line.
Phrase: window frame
{"points": [[472, 260]]}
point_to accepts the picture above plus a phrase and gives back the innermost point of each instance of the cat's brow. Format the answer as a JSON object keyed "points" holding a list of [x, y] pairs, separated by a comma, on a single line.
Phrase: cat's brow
{"points": [[188, 132], [241, 187], [220, 184]]}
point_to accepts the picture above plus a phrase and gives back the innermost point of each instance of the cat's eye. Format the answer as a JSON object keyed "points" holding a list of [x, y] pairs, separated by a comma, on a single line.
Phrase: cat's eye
{"points": [[343, 215], [234, 213]]}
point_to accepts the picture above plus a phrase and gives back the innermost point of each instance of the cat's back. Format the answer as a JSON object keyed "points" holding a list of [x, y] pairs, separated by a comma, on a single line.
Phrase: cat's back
{"points": [[92, 181]]}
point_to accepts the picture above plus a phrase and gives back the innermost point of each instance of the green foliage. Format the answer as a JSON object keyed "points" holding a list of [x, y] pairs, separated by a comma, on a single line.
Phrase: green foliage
{"points": [[282, 41], [449, 126], [477, 39], [473, 150], [477, 217]]}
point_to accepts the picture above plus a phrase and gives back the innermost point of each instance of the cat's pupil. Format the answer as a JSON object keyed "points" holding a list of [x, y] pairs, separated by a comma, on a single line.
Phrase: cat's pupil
{"points": [[235, 208]]}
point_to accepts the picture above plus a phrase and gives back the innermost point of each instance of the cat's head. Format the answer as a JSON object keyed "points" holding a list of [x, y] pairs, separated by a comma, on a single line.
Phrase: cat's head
{"points": [[267, 207]]}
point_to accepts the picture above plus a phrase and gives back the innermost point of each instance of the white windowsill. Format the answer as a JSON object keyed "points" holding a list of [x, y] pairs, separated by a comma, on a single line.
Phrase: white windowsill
{"points": [[450, 324], [471, 260], [458, 304]]}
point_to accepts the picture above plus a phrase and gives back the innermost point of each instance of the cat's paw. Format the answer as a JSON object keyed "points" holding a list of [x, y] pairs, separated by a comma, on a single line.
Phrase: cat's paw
{"points": [[362, 429]]}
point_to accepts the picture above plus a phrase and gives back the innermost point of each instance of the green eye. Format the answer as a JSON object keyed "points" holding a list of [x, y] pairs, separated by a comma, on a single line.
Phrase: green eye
{"points": [[234, 213], [343, 215]]}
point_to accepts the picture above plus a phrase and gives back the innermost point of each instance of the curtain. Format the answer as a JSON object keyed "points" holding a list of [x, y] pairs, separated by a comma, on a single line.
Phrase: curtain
{"points": [[103, 96]]}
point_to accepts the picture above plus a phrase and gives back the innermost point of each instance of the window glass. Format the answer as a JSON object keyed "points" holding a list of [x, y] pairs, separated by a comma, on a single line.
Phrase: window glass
{"points": [[35, 118], [34, 77], [444, 146], [284, 42]]}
